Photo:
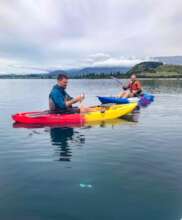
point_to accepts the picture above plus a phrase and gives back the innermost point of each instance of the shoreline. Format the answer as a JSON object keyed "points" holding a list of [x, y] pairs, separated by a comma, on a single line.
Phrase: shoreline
{"points": [[75, 78]]}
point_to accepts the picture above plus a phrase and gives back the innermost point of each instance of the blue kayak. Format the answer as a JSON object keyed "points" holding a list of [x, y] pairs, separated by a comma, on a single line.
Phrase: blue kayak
{"points": [[143, 100]]}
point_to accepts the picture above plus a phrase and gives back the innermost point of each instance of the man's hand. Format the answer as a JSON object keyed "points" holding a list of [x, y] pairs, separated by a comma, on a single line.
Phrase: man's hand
{"points": [[80, 98], [75, 100]]}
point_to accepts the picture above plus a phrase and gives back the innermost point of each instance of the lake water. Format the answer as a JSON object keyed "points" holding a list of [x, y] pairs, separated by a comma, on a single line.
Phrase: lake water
{"points": [[126, 169]]}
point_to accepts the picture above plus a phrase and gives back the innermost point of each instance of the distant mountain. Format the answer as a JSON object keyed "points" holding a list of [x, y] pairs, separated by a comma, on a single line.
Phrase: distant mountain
{"points": [[156, 70], [54, 73], [106, 70], [76, 72], [149, 66], [73, 72], [171, 60], [89, 70], [96, 71]]}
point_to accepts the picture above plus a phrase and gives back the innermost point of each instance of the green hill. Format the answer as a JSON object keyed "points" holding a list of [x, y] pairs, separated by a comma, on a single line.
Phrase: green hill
{"points": [[156, 70]]}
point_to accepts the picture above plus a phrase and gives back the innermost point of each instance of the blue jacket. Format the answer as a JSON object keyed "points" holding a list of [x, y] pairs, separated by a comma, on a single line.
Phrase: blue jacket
{"points": [[57, 98]]}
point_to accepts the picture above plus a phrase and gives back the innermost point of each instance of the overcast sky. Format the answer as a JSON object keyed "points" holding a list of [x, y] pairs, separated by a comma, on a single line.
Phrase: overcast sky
{"points": [[47, 34]]}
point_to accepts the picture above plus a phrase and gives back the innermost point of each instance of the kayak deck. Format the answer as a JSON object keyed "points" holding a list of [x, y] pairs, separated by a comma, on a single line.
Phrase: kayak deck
{"points": [[111, 112]]}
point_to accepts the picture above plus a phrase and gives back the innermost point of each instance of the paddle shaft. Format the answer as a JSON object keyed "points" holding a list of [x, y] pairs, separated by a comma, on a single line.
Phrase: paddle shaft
{"points": [[117, 80]]}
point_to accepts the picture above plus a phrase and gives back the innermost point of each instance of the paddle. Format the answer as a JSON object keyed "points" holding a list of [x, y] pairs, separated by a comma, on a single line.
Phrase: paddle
{"points": [[81, 102], [117, 80]]}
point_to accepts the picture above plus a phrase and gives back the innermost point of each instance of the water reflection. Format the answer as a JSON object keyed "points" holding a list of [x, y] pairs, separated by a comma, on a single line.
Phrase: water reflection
{"points": [[62, 138], [66, 139], [133, 117], [163, 85]]}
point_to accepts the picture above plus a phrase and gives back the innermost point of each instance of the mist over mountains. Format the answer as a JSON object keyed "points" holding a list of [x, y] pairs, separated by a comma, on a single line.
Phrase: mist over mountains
{"points": [[91, 70], [112, 68], [171, 60]]}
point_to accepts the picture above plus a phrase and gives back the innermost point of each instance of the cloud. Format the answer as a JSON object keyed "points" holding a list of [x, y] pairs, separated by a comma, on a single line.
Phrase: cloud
{"points": [[48, 33], [99, 56], [105, 60], [118, 62]]}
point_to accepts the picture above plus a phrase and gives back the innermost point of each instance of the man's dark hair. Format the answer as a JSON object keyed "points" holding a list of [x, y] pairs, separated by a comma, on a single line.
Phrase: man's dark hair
{"points": [[62, 76]]}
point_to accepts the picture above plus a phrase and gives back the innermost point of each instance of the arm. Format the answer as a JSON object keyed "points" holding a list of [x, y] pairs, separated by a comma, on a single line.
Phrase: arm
{"points": [[69, 103], [125, 87], [68, 97]]}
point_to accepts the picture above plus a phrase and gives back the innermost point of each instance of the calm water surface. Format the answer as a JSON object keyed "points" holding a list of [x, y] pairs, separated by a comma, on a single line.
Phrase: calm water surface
{"points": [[125, 169]]}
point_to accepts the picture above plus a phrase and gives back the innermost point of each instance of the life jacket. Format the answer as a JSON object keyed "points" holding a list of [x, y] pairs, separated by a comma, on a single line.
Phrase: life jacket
{"points": [[135, 86]]}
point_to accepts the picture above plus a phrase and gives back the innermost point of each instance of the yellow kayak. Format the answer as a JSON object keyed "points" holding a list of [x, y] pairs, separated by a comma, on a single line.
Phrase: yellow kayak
{"points": [[109, 112]]}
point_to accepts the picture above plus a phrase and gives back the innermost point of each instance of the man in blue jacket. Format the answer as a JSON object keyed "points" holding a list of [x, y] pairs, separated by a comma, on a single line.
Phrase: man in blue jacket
{"points": [[60, 101]]}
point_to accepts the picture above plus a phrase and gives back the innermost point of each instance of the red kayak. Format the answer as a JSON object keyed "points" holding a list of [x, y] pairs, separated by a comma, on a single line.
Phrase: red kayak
{"points": [[46, 118]]}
